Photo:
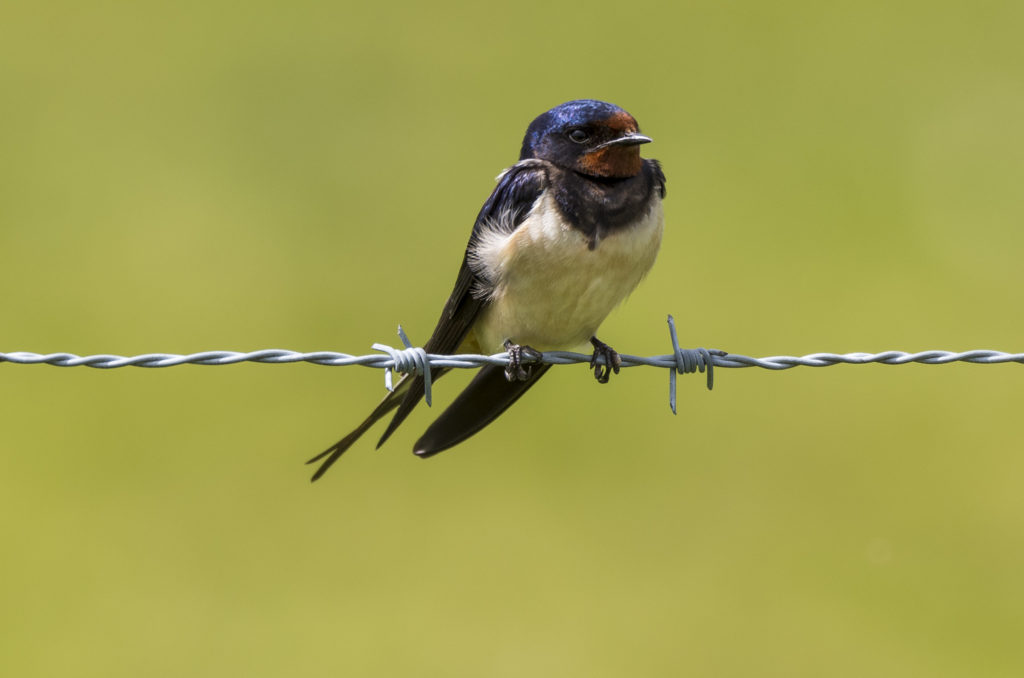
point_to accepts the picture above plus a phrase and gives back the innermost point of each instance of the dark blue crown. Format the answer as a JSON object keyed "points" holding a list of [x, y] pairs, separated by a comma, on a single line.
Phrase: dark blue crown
{"points": [[578, 112]]}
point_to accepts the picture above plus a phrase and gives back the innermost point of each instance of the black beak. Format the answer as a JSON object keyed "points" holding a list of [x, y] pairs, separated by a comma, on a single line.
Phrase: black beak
{"points": [[632, 139]]}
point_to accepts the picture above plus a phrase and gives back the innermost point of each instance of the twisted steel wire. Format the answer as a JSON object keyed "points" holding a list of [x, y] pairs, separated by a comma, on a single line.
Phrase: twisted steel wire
{"points": [[471, 360], [414, 359]]}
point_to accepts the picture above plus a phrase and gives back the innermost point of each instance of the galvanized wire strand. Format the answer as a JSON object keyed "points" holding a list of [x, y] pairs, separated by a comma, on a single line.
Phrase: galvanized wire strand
{"points": [[415, 360], [471, 360]]}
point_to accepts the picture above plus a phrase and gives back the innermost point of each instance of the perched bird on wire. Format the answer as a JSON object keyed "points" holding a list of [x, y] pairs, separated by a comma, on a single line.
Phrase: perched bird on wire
{"points": [[567, 234]]}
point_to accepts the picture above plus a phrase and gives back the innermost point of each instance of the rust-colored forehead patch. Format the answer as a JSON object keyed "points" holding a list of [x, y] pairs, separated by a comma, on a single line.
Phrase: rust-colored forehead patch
{"points": [[621, 122]]}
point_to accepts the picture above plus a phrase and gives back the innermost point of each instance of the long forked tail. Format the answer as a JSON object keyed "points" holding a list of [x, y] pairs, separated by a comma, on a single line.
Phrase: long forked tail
{"points": [[408, 392], [332, 453], [486, 397]]}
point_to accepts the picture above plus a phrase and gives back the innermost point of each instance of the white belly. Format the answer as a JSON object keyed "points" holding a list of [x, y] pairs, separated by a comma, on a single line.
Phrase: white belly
{"points": [[550, 291]]}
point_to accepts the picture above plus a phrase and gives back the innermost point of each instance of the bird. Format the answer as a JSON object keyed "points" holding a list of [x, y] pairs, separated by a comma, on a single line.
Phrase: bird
{"points": [[566, 235]]}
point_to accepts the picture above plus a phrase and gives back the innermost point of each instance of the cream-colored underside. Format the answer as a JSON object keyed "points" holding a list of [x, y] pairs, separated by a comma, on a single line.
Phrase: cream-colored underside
{"points": [[550, 291]]}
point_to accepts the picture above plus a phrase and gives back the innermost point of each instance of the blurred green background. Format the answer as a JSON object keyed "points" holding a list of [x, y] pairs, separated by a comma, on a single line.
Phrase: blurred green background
{"points": [[191, 176]]}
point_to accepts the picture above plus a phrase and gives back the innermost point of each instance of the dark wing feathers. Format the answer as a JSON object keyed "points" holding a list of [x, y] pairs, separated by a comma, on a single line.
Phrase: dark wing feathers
{"points": [[517, 190], [654, 167]]}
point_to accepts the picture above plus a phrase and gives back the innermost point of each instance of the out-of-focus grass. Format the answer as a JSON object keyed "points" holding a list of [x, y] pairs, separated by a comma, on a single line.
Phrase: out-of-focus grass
{"points": [[842, 176]]}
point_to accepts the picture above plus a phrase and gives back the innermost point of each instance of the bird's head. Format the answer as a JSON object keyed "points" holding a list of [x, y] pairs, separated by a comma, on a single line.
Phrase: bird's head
{"points": [[591, 137]]}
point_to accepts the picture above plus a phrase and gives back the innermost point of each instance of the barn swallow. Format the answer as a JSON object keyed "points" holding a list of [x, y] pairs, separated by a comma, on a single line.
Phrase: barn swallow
{"points": [[567, 234]]}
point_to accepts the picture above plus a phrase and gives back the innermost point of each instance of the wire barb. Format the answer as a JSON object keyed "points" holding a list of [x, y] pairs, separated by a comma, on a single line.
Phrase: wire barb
{"points": [[412, 360], [688, 361]]}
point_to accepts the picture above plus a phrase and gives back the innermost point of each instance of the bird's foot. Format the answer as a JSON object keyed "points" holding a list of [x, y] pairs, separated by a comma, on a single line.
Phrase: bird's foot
{"points": [[612, 361], [518, 356]]}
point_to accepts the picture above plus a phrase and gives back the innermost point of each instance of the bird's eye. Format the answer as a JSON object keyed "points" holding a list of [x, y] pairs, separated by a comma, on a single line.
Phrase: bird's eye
{"points": [[579, 136]]}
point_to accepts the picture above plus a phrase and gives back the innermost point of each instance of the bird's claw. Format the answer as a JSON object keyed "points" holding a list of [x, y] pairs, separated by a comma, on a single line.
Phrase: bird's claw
{"points": [[612, 361], [518, 356]]}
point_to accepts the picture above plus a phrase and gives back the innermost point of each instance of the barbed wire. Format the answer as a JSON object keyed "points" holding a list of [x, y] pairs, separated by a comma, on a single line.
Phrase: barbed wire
{"points": [[416, 360]]}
